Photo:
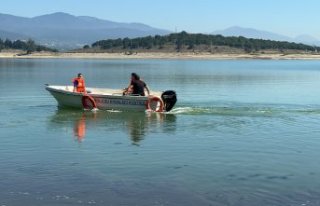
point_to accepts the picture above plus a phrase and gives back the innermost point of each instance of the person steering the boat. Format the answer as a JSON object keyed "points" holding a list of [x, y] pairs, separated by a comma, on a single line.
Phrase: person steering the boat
{"points": [[136, 86], [78, 84]]}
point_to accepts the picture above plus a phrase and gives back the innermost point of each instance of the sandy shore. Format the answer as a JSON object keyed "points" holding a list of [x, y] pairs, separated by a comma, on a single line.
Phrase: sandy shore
{"points": [[156, 55]]}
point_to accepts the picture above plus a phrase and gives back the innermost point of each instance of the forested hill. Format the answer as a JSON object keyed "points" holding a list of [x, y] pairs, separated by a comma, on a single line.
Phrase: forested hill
{"points": [[197, 42], [28, 46]]}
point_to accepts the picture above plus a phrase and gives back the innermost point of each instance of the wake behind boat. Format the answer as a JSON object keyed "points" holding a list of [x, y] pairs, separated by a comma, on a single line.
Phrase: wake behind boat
{"points": [[112, 99]]}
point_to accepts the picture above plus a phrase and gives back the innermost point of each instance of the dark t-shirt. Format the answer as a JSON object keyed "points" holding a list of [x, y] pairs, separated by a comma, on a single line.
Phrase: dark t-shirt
{"points": [[138, 87]]}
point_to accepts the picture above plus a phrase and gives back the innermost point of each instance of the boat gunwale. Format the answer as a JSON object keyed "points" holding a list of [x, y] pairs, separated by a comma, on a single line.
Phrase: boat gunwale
{"points": [[51, 88]]}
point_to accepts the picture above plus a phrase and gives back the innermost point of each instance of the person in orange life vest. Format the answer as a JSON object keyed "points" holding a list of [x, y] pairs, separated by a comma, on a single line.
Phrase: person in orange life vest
{"points": [[78, 84]]}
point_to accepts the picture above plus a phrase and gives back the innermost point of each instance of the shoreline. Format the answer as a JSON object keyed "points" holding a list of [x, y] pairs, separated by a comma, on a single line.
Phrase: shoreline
{"points": [[158, 55]]}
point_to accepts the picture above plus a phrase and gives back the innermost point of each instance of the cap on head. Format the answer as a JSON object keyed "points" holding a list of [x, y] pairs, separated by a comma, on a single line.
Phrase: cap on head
{"points": [[79, 74]]}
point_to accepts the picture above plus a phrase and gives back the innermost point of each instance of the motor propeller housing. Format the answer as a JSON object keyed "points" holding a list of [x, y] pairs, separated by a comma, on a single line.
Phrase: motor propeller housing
{"points": [[169, 99]]}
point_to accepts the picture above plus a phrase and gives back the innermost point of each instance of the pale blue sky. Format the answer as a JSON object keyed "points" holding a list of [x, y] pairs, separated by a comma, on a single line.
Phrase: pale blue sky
{"points": [[288, 17]]}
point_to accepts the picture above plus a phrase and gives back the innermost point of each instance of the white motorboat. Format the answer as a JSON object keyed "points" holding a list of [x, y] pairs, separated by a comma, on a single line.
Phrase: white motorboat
{"points": [[112, 99]]}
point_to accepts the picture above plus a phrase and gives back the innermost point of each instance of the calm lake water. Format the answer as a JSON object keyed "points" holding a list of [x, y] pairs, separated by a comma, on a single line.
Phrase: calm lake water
{"points": [[243, 132]]}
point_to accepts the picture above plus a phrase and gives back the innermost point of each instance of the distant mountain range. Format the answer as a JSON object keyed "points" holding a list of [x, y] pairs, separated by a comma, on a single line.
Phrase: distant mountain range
{"points": [[260, 34], [62, 30], [66, 31]]}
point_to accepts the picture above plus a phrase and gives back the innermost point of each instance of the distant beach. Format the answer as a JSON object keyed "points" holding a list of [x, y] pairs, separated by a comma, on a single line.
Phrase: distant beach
{"points": [[159, 55]]}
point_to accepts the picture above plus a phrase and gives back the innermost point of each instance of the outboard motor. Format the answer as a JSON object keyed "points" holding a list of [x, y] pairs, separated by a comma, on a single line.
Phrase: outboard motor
{"points": [[169, 99]]}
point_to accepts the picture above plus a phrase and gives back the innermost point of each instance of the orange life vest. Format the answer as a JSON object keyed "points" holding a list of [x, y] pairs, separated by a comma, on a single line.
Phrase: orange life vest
{"points": [[81, 85]]}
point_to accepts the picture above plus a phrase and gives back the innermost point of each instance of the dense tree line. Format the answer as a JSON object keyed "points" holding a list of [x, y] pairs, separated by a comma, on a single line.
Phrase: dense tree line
{"points": [[190, 41], [28, 46]]}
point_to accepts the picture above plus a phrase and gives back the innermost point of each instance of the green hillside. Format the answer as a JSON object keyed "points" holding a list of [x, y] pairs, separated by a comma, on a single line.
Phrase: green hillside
{"points": [[183, 42], [28, 46]]}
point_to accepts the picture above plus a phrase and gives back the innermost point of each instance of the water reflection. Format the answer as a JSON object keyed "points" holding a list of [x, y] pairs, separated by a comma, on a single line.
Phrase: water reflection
{"points": [[79, 128], [137, 125]]}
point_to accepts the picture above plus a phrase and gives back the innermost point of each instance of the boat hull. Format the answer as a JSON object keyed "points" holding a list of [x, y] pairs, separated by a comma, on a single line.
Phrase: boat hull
{"points": [[110, 100]]}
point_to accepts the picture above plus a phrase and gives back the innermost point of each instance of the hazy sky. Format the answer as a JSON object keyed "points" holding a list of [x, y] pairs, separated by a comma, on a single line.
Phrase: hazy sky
{"points": [[288, 17]]}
